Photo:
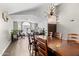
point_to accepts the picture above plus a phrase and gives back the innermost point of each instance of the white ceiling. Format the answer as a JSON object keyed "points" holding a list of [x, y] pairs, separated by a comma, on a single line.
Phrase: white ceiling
{"points": [[18, 7]]}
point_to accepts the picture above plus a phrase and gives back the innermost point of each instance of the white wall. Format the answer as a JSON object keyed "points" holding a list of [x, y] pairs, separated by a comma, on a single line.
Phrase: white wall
{"points": [[67, 12], [4, 34]]}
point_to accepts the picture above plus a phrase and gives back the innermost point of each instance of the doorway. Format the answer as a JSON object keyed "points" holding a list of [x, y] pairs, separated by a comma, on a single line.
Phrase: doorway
{"points": [[25, 27]]}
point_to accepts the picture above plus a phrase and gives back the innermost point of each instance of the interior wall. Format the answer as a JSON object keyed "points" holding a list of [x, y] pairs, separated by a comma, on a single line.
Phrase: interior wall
{"points": [[4, 34], [67, 12]]}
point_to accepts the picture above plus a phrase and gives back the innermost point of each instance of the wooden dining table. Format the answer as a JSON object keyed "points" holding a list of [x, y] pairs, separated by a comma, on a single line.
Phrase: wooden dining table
{"points": [[63, 47]]}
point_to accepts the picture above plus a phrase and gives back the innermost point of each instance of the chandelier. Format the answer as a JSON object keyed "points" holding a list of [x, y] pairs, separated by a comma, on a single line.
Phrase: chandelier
{"points": [[51, 9], [51, 14]]}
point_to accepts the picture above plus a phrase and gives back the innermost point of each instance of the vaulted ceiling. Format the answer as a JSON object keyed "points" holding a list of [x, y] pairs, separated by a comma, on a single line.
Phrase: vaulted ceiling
{"points": [[19, 7]]}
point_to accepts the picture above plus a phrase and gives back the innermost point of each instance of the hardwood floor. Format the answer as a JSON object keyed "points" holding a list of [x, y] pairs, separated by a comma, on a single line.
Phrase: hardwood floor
{"points": [[18, 48]]}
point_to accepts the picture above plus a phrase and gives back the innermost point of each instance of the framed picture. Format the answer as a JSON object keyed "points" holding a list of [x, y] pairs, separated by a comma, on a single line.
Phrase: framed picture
{"points": [[5, 16]]}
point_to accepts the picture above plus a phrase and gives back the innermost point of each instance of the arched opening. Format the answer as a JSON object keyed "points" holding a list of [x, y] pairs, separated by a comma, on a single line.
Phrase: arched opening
{"points": [[26, 27]]}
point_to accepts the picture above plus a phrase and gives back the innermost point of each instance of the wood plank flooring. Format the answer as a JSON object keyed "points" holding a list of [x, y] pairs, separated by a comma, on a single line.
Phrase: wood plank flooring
{"points": [[18, 48]]}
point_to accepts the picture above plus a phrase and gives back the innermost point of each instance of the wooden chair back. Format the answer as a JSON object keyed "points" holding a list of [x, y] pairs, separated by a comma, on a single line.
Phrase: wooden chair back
{"points": [[73, 36], [34, 45], [58, 35], [42, 47]]}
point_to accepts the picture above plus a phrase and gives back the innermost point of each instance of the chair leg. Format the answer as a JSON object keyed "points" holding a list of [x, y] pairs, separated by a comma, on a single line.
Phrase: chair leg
{"points": [[29, 48]]}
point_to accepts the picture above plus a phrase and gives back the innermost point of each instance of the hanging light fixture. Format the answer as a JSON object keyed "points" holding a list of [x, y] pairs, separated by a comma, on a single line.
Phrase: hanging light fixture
{"points": [[51, 9], [51, 14]]}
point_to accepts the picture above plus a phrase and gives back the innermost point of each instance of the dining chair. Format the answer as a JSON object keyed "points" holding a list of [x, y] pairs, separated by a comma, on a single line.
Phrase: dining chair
{"points": [[42, 47], [73, 37], [50, 34], [58, 35], [32, 45]]}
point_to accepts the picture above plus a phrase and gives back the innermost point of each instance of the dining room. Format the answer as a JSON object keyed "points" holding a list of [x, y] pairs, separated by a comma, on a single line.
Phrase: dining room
{"points": [[63, 34], [49, 29], [39, 29]]}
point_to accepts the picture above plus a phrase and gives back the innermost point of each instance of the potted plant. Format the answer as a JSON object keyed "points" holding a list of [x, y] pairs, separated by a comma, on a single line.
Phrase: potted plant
{"points": [[14, 35]]}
